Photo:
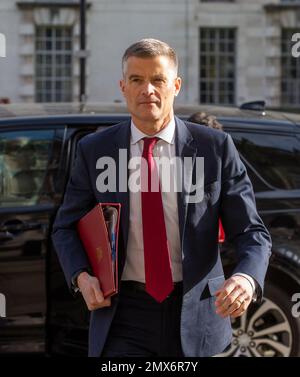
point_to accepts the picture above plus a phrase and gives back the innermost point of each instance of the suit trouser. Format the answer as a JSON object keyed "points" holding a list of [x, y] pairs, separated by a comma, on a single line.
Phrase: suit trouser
{"points": [[143, 327]]}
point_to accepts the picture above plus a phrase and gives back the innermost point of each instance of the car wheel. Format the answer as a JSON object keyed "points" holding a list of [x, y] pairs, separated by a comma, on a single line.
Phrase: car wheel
{"points": [[268, 329]]}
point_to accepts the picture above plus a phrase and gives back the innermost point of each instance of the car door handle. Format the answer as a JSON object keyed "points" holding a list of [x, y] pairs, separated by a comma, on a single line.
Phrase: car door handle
{"points": [[18, 226]]}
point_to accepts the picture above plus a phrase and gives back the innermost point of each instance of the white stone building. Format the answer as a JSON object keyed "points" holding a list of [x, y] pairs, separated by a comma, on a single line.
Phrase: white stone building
{"points": [[230, 51]]}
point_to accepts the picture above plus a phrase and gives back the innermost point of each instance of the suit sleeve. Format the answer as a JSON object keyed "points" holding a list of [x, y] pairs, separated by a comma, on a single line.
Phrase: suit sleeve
{"points": [[242, 224], [78, 200]]}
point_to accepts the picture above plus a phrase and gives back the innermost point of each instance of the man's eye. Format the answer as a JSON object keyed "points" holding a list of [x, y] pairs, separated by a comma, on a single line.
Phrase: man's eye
{"points": [[136, 80]]}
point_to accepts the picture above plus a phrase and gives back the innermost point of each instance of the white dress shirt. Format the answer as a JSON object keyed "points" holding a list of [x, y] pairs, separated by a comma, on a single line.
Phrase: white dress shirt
{"points": [[134, 265]]}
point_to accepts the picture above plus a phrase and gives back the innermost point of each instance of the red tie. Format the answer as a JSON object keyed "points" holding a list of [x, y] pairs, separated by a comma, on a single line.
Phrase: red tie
{"points": [[158, 272]]}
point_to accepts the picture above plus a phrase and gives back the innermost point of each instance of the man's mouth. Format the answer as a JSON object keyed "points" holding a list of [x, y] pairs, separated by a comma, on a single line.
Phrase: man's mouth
{"points": [[148, 103]]}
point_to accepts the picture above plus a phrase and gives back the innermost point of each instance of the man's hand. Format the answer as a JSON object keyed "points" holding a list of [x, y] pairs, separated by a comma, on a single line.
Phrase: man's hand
{"points": [[91, 292], [234, 297]]}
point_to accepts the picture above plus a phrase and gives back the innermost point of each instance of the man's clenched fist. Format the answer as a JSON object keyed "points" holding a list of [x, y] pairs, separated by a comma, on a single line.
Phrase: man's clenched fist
{"points": [[91, 292], [234, 297]]}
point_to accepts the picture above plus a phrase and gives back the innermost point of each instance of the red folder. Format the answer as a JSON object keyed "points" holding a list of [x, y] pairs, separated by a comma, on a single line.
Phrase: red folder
{"points": [[97, 241]]}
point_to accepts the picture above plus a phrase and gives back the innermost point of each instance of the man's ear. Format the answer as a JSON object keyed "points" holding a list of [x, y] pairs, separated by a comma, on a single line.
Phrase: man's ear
{"points": [[177, 85], [122, 85]]}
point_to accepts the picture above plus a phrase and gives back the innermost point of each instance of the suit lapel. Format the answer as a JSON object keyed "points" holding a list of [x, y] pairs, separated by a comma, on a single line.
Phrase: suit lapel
{"points": [[122, 142], [184, 148]]}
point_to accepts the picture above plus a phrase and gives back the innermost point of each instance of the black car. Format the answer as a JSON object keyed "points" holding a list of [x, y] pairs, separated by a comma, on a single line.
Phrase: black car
{"points": [[37, 148]]}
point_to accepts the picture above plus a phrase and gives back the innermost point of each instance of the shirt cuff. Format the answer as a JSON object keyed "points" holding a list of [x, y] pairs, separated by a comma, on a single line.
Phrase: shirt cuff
{"points": [[74, 285], [251, 281]]}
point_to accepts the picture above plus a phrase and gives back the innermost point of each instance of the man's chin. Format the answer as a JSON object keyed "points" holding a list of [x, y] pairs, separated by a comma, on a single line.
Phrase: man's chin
{"points": [[149, 117]]}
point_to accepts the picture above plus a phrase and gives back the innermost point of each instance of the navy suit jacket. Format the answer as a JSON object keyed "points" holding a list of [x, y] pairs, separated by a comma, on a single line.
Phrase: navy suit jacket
{"points": [[228, 195]]}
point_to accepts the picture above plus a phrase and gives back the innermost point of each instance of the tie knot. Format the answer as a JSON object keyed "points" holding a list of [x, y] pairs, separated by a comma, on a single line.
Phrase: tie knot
{"points": [[149, 143]]}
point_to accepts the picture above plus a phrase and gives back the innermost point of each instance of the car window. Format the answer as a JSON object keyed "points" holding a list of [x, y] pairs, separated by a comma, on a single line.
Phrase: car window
{"points": [[24, 157], [276, 158], [257, 182]]}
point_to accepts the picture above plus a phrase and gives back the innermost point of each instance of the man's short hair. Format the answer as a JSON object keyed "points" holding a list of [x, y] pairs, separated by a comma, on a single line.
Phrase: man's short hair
{"points": [[150, 48]]}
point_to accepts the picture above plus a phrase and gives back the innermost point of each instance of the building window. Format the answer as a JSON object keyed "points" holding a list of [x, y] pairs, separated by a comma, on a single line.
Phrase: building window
{"points": [[290, 71], [217, 65], [53, 64]]}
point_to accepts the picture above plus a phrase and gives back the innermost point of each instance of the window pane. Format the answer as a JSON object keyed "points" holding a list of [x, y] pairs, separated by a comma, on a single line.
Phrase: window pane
{"points": [[23, 166], [276, 158], [53, 63], [58, 33], [217, 65], [49, 32], [58, 45]]}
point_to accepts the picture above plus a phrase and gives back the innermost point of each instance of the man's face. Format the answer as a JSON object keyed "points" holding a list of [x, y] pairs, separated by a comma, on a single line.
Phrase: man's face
{"points": [[149, 86]]}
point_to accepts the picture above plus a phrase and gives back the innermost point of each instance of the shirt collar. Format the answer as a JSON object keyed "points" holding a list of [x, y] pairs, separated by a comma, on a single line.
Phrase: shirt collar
{"points": [[167, 133]]}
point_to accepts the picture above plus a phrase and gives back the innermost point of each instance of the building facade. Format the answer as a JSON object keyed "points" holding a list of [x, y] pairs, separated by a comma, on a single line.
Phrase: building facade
{"points": [[230, 51]]}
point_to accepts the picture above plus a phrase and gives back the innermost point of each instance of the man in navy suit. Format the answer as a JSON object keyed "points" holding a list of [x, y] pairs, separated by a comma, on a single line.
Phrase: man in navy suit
{"points": [[173, 299]]}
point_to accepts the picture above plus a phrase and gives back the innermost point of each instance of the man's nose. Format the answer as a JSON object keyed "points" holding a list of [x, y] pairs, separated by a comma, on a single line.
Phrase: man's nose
{"points": [[148, 89]]}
